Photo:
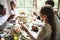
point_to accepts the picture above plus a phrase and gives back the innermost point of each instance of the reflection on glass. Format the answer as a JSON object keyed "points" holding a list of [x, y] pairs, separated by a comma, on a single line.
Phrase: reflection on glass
{"points": [[40, 3], [26, 10], [20, 3], [25, 6], [56, 3], [28, 3], [24, 3]]}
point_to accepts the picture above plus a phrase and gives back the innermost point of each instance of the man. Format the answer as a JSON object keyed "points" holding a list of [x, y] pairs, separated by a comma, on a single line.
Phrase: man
{"points": [[3, 17], [49, 2]]}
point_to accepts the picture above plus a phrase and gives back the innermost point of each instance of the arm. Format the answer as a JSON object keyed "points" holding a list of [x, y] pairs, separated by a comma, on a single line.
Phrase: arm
{"points": [[11, 17], [26, 30], [40, 35]]}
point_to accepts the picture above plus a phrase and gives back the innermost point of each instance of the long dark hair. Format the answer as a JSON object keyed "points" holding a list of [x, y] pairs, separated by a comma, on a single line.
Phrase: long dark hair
{"points": [[48, 11]]}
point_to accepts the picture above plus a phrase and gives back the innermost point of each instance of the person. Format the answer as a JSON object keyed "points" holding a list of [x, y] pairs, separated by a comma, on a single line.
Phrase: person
{"points": [[50, 2], [14, 11], [46, 31], [3, 21], [3, 18], [22, 18]]}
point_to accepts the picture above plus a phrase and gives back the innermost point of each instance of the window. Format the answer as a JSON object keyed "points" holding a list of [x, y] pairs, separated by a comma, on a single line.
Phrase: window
{"points": [[20, 3], [25, 6], [40, 3], [56, 3], [2, 2]]}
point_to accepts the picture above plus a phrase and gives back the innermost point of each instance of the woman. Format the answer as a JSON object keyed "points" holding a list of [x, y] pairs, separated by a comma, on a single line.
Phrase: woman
{"points": [[47, 32], [14, 11]]}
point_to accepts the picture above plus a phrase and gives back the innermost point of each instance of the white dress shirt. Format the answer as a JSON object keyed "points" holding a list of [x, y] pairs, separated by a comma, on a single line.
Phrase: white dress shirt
{"points": [[3, 20], [15, 12]]}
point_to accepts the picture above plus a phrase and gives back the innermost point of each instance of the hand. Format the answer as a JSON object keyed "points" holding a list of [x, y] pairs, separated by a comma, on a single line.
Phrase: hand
{"points": [[23, 28], [14, 20]]}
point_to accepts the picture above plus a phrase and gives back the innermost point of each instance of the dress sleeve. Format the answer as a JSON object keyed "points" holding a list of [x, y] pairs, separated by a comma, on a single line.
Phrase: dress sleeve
{"points": [[39, 35]]}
